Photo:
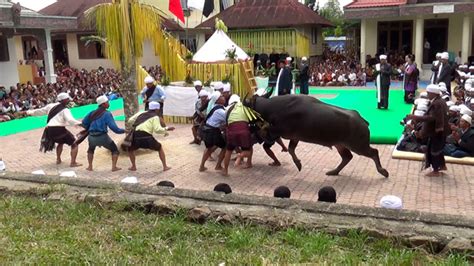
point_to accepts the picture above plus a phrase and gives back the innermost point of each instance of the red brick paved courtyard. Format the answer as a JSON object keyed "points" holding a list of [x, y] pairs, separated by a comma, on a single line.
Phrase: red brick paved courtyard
{"points": [[359, 183]]}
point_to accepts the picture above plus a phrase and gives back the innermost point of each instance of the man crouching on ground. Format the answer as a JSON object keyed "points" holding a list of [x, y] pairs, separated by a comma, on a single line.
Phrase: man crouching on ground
{"points": [[97, 123], [143, 125]]}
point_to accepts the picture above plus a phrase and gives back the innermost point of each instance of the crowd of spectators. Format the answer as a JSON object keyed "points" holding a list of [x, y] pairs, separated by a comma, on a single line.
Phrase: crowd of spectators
{"points": [[82, 85], [337, 68], [459, 139]]}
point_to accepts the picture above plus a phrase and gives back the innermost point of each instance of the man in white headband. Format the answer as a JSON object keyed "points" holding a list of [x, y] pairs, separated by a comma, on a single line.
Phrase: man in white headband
{"points": [[59, 116], [144, 125], [463, 138], [383, 72], [97, 123], [436, 128], [226, 92], [200, 108], [152, 92], [445, 72]]}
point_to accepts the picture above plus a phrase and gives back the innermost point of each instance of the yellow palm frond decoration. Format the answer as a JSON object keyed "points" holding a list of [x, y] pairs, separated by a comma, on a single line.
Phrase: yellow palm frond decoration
{"points": [[126, 24]]}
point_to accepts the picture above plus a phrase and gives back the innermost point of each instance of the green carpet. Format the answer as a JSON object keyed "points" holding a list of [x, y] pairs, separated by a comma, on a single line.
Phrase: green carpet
{"points": [[384, 125], [34, 122]]}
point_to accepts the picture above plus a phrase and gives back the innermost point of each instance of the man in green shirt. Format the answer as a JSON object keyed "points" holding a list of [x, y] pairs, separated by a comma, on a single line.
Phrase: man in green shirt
{"points": [[144, 124], [238, 134]]}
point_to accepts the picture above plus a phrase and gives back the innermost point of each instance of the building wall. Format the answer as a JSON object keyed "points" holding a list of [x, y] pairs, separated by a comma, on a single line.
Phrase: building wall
{"points": [[149, 58], [73, 54], [370, 42], [455, 33], [314, 48], [9, 70], [19, 48]]}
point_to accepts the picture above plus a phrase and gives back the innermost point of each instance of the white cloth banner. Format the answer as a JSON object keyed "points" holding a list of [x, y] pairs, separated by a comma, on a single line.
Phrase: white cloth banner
{"points": [[180, 101], [196, 4]]}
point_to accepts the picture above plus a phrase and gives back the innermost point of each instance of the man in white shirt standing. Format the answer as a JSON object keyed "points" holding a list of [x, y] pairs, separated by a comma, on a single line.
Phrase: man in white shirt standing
{"points": [[59, 116]]}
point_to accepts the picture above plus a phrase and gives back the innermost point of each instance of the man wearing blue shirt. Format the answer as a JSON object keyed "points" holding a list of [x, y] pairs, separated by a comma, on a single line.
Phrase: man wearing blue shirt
{"points": [[97, 122], [153, 93], [212, 135]]}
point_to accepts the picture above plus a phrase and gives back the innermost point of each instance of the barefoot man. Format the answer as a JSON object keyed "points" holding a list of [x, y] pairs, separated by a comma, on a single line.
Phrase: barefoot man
{"points": [[212, 134], [59, 116], [97, 122], [144, 124]]}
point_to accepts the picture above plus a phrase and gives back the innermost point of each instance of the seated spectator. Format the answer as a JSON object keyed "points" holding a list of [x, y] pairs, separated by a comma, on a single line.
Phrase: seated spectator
{"points": [[222, 187], [463, 136], [391, 202], [282, 192], [165, 183], [327, 194], [83, 86]]}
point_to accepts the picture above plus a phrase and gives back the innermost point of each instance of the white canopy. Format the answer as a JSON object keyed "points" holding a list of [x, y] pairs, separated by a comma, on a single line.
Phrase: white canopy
{"points": [[214, 49]]}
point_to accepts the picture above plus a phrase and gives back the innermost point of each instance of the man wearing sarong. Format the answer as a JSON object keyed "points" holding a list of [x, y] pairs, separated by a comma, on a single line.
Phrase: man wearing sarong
{"points": [[199, 111], [144, 125], [97, 122], [383, 72], [212, 133], [435, 128], [59, 116], [237, 134]]}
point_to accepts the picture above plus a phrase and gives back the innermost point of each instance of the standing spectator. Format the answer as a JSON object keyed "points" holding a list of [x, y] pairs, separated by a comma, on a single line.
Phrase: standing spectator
{"points": [[445, 72], [426, 51], [284, 79], [383, 71], [410, 79], [304, 76], [436, 129]]}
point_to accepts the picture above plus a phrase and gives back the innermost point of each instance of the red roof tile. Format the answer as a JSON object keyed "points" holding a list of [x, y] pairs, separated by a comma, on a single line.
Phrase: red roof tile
{"points": [[266, 13], [375, 3], [76, 8]]}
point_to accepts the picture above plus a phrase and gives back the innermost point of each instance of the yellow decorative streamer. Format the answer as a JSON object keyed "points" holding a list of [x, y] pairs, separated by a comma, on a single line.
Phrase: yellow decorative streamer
{"points": [[272, 41]]}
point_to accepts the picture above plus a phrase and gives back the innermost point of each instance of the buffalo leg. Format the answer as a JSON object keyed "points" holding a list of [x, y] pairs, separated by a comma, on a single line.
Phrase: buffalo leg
{"points": [[374, 155], [291, 151], [346, 156]]}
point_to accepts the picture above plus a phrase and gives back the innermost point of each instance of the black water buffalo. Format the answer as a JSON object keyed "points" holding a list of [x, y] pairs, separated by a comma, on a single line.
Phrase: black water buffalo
{"points": [[304, 118]]}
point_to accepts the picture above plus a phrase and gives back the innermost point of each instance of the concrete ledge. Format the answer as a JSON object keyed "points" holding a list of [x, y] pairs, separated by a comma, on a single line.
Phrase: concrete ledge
{"points": [[308, 206], [434, 232]]}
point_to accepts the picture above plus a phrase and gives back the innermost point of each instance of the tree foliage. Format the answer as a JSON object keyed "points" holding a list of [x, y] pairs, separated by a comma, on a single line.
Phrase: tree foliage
{"points": [[332, 11]]}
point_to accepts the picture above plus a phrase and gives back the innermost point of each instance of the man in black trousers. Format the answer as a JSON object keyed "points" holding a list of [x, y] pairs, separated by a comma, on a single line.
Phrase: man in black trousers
{"points": [[445, 72], [383, 72], [284, 80]]}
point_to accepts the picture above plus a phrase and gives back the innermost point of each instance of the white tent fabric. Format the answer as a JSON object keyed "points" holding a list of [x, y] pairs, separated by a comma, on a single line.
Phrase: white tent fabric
{"points": [[215, 48]]}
